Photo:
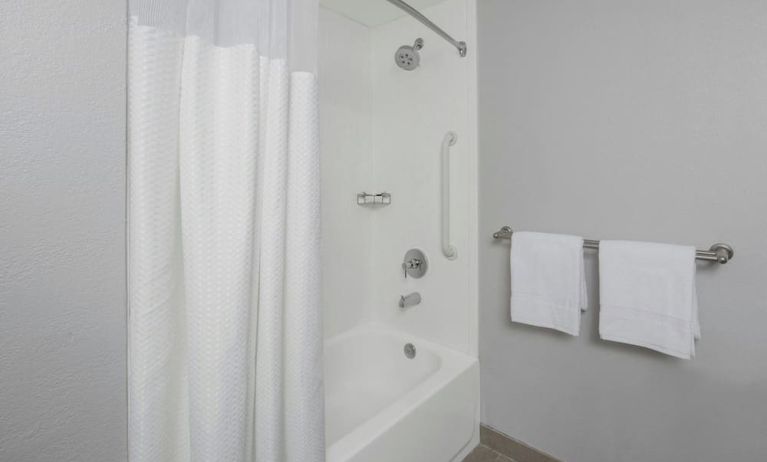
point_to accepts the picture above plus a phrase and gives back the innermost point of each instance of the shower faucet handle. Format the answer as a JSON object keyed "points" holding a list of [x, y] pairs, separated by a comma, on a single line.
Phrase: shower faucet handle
{"points": [[414, 264]]}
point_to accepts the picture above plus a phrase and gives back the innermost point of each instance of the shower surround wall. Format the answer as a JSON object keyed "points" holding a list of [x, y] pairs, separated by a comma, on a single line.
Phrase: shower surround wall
{"points": [[381, 129], [412, 111], [346, 168]]}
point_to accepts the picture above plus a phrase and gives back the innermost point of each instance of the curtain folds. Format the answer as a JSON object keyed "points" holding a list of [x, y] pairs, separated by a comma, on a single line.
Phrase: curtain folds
{"points": [[225, 349]]}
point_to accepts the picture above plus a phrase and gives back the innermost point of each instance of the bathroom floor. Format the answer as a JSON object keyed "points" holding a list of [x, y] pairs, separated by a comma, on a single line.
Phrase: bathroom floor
{"points": [[485, 454]]}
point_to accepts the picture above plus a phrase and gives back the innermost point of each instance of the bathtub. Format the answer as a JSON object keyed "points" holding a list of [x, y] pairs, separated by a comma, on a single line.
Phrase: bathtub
{"points": [[381, 406]]}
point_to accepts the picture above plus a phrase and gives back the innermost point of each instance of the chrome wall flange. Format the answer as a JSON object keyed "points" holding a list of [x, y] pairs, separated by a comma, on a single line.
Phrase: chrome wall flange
{"points": [[724, 252]]}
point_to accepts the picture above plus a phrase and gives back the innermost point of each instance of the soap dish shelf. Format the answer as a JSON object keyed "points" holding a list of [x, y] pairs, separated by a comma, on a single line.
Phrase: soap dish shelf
{"points": [[373, 200]]}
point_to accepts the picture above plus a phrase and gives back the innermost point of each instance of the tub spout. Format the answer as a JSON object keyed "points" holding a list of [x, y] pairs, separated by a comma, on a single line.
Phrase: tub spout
{"points": [[409, 300]]}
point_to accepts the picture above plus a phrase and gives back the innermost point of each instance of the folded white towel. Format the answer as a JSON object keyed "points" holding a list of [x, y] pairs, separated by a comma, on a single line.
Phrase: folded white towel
{"points": [[647, 296], [548, 284]]}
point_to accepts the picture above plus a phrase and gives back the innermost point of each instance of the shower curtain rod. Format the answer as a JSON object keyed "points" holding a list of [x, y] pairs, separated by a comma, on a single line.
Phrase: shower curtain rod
{"points": [[426, 22]]}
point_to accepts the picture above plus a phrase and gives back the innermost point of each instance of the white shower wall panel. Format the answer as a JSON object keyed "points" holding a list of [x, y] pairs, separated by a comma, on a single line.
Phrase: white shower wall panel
{"points": [[381, 129], [345, 131], [412, 111]]}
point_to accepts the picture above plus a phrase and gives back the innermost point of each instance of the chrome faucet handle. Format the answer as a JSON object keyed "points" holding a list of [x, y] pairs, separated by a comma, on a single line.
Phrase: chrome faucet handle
{"points": [[414, 264]]}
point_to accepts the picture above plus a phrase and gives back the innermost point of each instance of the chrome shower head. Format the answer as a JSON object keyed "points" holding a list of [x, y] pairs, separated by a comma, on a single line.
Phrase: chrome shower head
{"points": [[407, 57]]}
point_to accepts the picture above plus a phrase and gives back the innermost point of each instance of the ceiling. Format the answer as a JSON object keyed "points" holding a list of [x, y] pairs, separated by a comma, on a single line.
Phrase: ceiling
{"points": [[372, 12]]}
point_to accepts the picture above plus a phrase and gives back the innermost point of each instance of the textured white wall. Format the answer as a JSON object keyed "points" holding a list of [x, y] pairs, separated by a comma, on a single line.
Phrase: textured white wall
{"points": [[345, 136], [62, 190], [635, 119]]}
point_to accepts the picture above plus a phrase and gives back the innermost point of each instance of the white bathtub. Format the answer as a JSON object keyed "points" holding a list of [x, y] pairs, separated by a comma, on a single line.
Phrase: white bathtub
{"points": [[383, 407]]}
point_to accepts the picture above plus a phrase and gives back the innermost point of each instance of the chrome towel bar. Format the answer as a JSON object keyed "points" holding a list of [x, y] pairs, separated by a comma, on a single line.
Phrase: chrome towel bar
{"points": [[719, 252]]}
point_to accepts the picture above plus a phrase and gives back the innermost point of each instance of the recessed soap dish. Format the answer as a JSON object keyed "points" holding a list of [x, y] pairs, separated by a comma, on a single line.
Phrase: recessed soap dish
{"points": [[373, 200]]}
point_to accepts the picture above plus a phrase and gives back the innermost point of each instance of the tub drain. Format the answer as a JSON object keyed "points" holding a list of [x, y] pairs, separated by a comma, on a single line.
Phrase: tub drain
{"points": [[409, 350]]}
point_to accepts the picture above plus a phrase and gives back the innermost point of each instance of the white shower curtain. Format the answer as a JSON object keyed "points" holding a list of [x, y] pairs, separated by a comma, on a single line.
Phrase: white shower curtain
{"points": [[225, 342]]}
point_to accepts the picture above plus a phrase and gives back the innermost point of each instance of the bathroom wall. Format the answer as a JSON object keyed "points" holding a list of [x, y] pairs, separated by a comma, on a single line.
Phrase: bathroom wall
{"points": [[412, 111], [381, 130], [62, 260], [640, 120], [346, 163]]}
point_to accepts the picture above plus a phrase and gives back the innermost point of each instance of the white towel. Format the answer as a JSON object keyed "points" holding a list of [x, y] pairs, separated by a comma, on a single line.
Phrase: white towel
{"points": [[647, 296], [548, 284]]}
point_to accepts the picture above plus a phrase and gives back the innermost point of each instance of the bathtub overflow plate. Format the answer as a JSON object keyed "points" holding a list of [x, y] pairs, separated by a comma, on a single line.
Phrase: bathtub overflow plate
{"points": [[409, 350]]}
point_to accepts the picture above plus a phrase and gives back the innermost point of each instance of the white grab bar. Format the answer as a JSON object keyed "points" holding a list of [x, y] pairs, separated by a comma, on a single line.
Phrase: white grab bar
{"points": [[448, 249]]}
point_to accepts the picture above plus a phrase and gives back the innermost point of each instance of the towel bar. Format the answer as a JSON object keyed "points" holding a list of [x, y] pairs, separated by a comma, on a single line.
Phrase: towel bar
{"points": [[719, 252]]}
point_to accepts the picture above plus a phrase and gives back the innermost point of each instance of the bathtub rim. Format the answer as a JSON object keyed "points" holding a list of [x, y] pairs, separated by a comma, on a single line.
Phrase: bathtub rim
{"points": [[452, 364]]}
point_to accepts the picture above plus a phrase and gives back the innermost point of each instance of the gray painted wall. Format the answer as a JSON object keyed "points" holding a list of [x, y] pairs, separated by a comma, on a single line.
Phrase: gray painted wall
{"points": [[62, 194], [635, 119]]}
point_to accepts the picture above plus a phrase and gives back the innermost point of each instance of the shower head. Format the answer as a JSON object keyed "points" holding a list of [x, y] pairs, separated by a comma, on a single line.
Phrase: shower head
{"points": [[407, 56]]}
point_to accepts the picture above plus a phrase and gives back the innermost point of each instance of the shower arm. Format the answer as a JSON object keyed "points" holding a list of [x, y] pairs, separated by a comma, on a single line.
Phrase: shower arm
{"points": [[461, 46]]}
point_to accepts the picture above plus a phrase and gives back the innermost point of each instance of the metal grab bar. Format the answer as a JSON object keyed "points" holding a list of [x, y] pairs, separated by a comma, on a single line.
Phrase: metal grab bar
{"points": [[461, 46], [448, 249], [719, 252]]}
